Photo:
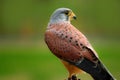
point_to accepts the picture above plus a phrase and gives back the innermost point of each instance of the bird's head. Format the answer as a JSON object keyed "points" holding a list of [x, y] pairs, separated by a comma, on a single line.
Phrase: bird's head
{"points": [[62, 14]]}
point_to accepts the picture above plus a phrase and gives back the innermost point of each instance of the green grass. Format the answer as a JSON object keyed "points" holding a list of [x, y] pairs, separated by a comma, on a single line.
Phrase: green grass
{"points": [[35, 62]]}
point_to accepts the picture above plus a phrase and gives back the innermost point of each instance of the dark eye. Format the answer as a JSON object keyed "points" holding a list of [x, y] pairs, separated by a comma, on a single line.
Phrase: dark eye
{"points": [[66, 12]]}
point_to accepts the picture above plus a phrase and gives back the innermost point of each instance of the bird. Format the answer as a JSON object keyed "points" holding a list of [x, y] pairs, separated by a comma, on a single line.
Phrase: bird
{"points": [[73, 49]]}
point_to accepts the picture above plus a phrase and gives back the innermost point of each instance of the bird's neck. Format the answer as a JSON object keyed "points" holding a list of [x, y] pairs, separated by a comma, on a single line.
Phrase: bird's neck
{"points": [[57, 24]]}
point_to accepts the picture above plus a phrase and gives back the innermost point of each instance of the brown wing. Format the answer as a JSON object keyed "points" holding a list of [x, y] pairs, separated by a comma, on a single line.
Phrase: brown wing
{"points": [[61, 48], [66, 42]]}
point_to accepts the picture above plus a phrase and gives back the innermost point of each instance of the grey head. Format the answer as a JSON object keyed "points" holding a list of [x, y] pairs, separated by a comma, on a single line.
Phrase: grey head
{"points": [[62, 15]]}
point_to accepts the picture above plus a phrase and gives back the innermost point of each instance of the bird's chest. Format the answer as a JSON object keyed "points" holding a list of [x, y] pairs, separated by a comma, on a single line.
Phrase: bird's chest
{"points": [[63, 43]]}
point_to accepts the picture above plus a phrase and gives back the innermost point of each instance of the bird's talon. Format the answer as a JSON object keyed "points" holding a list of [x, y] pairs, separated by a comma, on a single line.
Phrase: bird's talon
{"points": [[74, 77]]}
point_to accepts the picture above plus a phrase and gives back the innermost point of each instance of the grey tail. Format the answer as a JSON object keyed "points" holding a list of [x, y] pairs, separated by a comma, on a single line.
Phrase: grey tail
{"points": [[96, 70]]}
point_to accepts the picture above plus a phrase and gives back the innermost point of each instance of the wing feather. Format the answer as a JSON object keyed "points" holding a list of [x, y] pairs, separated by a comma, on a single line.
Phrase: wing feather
{"points": [[66, 42]]}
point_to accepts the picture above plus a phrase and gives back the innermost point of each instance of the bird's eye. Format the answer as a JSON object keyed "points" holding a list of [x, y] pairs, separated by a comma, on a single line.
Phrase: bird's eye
{"points": [[66, 12]]}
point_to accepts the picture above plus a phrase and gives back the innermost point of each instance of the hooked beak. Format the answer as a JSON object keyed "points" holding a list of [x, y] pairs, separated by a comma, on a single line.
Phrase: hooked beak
{"points": [[72, 16]]}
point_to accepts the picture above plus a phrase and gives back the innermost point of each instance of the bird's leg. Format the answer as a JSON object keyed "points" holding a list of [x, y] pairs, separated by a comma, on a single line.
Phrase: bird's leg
{"points": [[74, 77]]}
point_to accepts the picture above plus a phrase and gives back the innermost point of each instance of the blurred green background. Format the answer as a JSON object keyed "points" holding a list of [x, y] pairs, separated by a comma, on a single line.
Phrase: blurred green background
{"points": [[23, 52]]}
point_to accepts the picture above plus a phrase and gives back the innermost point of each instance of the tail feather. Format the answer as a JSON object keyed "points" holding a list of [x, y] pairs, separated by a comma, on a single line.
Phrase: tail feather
{"points": [[102, 74], [96, 70]]}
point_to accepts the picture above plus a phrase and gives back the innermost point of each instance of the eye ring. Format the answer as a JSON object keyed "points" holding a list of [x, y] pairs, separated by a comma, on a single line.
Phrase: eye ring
{"points": [[66, 12]]}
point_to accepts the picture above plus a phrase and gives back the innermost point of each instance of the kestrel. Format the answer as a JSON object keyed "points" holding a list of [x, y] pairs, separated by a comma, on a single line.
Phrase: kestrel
{"points": [[72, 47]]}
